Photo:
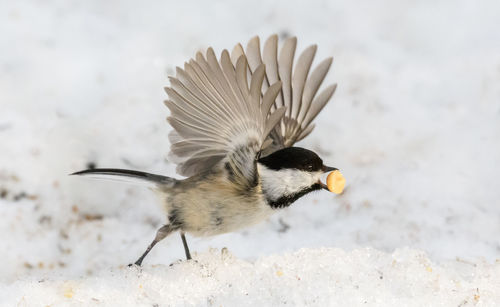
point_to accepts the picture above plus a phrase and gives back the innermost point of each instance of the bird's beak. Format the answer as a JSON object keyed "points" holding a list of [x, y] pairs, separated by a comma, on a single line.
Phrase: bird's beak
{"points": [[329, 169]]}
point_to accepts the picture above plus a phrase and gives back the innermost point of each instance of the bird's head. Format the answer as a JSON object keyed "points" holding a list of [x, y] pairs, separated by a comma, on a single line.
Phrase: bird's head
{"points": [[290, 173]]}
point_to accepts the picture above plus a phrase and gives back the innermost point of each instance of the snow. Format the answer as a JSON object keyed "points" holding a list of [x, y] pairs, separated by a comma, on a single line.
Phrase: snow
{"points": [[308, 277], [414, 127]]}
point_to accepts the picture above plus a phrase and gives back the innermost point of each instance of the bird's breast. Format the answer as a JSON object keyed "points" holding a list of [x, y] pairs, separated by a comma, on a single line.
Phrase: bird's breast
{"points": [[213, 207]]}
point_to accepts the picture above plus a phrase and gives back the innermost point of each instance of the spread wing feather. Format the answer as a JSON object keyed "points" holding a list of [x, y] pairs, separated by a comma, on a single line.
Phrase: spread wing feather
{"points": [[220, 114], [224, 112], [299, 86], [270, 59]]}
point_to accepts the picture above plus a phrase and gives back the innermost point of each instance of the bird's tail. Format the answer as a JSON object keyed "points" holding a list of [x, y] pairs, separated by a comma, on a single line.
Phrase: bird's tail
{"points": [[130, 176]]}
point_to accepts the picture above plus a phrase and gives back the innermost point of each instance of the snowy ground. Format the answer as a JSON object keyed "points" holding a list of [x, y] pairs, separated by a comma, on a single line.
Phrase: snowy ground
{"points": [[317, 277], [414, 127]]}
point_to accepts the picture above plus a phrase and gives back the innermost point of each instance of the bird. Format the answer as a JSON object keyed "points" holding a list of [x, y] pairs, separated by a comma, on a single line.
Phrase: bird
{"points": [[235, 121]]}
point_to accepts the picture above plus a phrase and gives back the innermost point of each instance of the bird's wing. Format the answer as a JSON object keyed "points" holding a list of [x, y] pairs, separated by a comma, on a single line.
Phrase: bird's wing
{"points": [[299, 91], [219, 115]]}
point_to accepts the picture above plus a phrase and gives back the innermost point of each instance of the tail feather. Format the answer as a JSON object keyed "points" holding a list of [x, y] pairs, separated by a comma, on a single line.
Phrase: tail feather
{"points": [[125, 175]]}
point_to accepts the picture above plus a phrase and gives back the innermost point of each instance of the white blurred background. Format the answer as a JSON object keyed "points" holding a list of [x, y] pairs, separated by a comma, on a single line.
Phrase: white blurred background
{"points": [[414, 126]]}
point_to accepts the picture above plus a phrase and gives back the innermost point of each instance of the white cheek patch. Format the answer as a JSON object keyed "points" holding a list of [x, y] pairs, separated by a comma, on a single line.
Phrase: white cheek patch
{"points": [[276, 184]]}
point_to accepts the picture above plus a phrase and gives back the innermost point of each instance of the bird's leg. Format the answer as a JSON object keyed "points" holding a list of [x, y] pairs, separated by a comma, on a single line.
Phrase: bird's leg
{"points": [[186, 248], [160, 235]]}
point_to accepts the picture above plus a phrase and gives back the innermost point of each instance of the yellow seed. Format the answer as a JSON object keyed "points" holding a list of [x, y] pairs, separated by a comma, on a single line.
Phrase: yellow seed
{"points": [[335, 182], [68, 293]]}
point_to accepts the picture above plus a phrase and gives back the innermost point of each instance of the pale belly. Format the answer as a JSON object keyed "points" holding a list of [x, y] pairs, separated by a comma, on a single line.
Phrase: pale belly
{"points": [[211, 210]]}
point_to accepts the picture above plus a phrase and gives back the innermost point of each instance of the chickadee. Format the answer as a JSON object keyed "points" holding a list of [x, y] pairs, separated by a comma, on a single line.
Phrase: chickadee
{"points": [[235, 122]]}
